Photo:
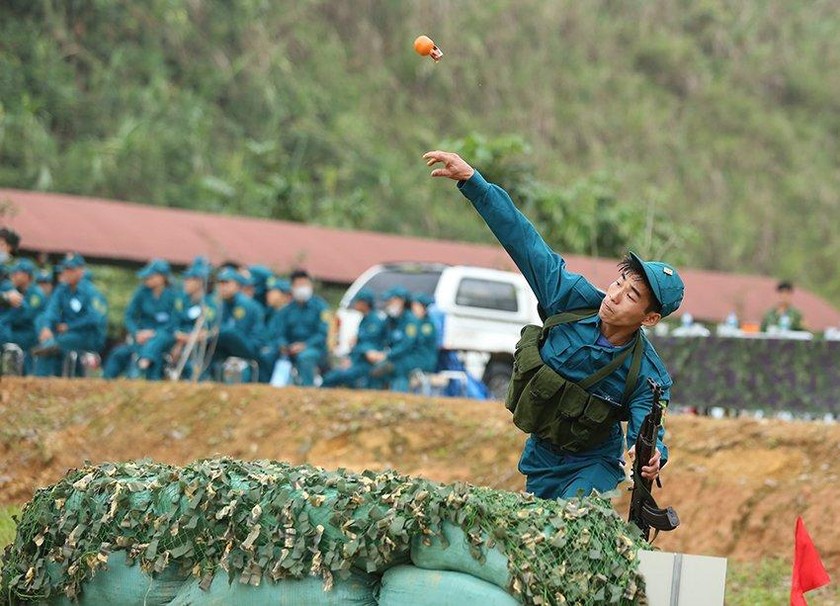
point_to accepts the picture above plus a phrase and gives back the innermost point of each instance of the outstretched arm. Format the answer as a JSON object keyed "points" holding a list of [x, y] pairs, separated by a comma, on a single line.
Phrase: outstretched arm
{"points": [[556, 288]]}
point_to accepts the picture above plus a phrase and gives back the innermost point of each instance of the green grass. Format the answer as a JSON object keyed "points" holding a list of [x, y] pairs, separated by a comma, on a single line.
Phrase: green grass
{"points": [[768, 583], [7, 524]]}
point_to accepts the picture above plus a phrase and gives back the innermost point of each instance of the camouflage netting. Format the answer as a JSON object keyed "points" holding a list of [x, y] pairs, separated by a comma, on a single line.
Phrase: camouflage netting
{"points": [[222, 525]]}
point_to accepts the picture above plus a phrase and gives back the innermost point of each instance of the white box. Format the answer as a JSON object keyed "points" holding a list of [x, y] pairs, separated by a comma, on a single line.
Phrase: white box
{"points": [[678, 579]]}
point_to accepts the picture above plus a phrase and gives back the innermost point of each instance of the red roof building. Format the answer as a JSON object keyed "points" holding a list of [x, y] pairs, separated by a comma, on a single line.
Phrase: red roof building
{"points": [[112, 231]]}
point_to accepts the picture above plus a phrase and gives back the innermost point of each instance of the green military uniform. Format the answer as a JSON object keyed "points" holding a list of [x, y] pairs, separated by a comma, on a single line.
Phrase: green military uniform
{"points": [[789, 318]]}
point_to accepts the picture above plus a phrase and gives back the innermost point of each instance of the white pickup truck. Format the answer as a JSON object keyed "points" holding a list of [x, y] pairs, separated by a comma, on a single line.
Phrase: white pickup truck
{"points": [[484, 311]]}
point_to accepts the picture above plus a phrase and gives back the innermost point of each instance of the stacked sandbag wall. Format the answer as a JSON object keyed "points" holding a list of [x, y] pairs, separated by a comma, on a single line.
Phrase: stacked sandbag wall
{"points": [[222, 531]]}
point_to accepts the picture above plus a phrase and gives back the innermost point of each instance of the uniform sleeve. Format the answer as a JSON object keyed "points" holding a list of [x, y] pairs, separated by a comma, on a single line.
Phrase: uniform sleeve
{"points": [[32, 307], [51, 314], [257, 327], [555, 287], [318, 339], [132, 311]]}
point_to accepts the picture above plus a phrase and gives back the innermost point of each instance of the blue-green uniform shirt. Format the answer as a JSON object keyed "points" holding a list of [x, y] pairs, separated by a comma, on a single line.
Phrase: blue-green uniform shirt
{"points": [[21, 320], [275, 326], [402, 341], [427, 345], [305, 323], [372, 335], [147, 312], [188, 311], [571, 350], [83, 309], [244, 315]]}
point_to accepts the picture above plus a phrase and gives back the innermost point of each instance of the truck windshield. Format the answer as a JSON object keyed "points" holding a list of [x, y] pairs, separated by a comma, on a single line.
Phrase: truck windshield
{"points": [[420, 281]]}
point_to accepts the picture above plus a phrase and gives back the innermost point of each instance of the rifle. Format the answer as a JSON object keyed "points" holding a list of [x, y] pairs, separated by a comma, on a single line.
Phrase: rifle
{"points": [[644, 512]]}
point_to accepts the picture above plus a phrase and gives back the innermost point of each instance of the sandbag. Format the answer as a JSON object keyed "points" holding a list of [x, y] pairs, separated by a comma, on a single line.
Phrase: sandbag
{"points": [[358, 590], [452, 550], [404, 585], [125, 583]]}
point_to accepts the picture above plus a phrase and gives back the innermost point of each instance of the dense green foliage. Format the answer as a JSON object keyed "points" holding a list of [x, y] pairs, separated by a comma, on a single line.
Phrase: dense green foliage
{"points": [[721, 115]]}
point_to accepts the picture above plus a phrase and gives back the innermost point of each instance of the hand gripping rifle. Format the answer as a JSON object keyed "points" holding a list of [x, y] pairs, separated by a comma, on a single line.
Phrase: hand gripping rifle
{"points": [[644, 512]]}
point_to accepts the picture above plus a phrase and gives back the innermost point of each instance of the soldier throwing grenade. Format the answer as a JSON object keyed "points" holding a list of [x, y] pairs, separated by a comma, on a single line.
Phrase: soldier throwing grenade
{"points": [[577, 377]]}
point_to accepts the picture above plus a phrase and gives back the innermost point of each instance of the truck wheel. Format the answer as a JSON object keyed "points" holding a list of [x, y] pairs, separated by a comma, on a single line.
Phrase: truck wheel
{"points": [[497, 376]]}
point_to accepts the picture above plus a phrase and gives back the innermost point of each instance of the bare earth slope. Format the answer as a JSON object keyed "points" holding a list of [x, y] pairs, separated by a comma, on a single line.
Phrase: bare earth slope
{"points": [[737, 484]]}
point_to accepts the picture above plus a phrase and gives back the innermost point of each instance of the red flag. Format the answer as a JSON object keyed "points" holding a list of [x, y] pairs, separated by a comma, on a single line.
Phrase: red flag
{"points": [[808, 570]]}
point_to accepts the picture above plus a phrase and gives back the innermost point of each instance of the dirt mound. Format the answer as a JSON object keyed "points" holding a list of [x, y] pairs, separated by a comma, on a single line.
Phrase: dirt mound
{"points": [[737, 484]]}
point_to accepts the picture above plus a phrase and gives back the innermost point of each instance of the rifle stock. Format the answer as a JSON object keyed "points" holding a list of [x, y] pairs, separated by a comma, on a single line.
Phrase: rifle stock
{"points": [[644, 512]]}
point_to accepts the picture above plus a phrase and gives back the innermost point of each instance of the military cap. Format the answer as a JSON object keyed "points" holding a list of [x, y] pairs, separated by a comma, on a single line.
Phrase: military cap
{"points": [[23, 265], [155, 266], [423, 299], [397, 291], [277, 283], [72, 261], [229, 274], [665, 282], [365, 295]]}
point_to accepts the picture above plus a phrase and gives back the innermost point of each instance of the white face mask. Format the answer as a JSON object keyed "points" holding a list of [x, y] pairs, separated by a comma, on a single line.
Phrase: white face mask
{"points": [[393, 310], [4, 256], [302, 294]]}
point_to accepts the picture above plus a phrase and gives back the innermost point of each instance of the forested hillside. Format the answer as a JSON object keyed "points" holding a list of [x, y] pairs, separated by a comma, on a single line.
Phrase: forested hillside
{"points": [[707, 130]]}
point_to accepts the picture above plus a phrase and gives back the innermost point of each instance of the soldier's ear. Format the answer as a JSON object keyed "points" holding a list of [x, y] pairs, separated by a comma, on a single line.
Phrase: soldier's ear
{"points": [[651, 319]]}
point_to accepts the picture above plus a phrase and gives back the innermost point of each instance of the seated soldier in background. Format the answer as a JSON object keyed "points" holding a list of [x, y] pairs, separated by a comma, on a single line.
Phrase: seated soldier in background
{"points": [[9, 242], [196, 318], [23, 302], [394, 364], [240, 321], [150, 322], [75, 319], [426, 357], [278, 296], [259, 275], [303, 328], [45, 280], [354, 370]]}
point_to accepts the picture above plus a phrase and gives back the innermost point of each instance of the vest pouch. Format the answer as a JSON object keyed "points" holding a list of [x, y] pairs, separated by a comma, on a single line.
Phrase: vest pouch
{"points": [[526, 361], [526, 357], [573, 402], [536, 403], [599, 411]]}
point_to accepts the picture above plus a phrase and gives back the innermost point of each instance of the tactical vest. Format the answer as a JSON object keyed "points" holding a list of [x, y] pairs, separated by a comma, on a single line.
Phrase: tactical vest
{"points": [[557, 409]]}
